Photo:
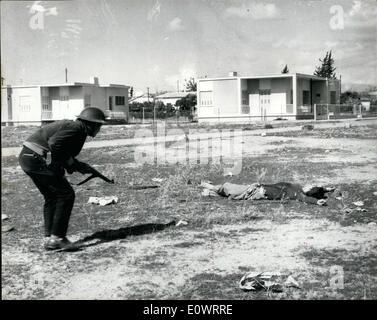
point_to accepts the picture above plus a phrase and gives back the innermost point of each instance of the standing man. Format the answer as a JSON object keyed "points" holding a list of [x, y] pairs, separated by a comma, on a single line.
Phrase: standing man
{"points": [[64, 139]]}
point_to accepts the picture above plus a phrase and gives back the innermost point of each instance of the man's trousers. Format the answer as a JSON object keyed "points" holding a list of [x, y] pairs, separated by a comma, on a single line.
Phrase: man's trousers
{"points": [[58, 194]]}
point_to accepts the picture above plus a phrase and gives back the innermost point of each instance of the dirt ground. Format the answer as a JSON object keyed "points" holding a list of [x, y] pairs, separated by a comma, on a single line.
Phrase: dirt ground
{"points": [[129, 253]]}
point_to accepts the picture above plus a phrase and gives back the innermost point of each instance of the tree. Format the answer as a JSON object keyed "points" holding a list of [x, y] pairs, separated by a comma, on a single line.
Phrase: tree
{"points": [[186, 103], [131, 92], [190, 85], [326, 69], [285, 70], [349, 97]]}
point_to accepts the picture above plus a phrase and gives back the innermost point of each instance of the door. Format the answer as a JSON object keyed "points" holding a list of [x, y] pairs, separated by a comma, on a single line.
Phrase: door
{"points": [[264, 102], [64, 103]]}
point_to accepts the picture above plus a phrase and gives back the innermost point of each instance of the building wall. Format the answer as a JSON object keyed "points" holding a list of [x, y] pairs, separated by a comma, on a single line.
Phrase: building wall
{"points": [[302, 85], [218, 98], [280, 95], [76, 101], [99, 97], [320, 87], [25, 105], [334, 85], [225, 97], [205, 103], [6, 104], [113, 92], [319, 92], [56, 103]]}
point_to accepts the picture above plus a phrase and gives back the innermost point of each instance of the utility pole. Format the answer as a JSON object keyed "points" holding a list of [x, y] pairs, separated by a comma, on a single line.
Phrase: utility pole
{"points": [[66, 75], [148, 93]]}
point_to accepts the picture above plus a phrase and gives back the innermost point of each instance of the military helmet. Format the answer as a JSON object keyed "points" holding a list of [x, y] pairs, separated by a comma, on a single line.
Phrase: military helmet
{"points": [[92, 114]]}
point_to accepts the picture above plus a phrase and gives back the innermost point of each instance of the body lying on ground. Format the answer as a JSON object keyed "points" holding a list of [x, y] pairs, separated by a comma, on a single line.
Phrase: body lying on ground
{"points": [[277, 191]]}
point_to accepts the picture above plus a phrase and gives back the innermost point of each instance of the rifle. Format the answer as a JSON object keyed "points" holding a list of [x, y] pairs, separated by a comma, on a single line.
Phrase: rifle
{"points": [[95, 174]]}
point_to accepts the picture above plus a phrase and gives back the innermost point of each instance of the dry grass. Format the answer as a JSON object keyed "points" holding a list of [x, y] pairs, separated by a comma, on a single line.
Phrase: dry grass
{"points": [[179, 263]]}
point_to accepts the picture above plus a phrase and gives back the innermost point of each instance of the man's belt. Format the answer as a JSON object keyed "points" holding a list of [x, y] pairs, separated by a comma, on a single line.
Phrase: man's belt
{"points": [[36, 148]]}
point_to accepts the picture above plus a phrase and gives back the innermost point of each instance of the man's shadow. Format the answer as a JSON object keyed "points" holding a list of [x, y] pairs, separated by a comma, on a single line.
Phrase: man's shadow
{"points": [[122, 233]]}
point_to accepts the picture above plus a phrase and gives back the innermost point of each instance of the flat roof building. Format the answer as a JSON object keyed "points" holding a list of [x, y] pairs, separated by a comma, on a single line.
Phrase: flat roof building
{"points": [[34, 104], [290, 95]]}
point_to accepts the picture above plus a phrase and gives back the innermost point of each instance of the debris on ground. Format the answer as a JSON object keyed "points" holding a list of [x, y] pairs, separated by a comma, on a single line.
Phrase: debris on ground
{"points": [[372, 224], [358, 203], [4, 217], [291, 282], [307, 127], [263, 134], [375, 193], [159, 180], [347, 210], [181, 223], [142, 187], [103, 201], [266, 281], [6, 228]]}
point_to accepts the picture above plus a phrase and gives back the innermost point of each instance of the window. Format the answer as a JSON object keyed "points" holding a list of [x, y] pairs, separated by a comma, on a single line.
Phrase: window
{"points": [[291, 98], [305, 97], [64, 98], [264, 96], [25, 108], [45, 103], [119, 100], [87, 100], [205, 98], [25, 104], [332, 97], [110, 103], [245, 97]]}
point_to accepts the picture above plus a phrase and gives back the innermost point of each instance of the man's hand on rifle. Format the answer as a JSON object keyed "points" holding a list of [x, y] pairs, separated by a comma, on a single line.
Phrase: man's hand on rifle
{"points": [[83, 167], [78, 166]]}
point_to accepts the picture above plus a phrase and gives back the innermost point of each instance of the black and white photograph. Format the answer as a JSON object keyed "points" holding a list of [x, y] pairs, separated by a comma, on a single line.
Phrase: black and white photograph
{"points": [[206, 151]]}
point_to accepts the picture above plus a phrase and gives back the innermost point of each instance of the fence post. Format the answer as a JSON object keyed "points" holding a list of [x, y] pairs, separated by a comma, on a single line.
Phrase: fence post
{"points": [[328, 115], [143, 114], [315, 112]]}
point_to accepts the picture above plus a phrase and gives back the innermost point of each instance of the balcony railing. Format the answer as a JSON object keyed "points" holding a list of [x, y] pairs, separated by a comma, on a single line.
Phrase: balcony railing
{"points": [[46, 115]]}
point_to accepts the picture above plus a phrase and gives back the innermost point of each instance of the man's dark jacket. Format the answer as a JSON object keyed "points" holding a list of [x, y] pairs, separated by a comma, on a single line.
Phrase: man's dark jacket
{"points": [[63, 138]]}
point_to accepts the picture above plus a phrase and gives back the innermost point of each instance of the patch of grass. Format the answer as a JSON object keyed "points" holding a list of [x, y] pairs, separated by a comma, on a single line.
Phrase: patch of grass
{"points": [[176, 199], [213, 286], [359, 267], [359, 132], [187, 244]]}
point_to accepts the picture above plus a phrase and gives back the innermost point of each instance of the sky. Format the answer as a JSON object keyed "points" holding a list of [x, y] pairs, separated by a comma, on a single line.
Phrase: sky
{"points": [[155, 43]]}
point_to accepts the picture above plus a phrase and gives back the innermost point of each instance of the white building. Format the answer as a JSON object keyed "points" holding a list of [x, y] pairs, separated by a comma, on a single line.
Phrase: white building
{"points": [[291, 96], [35, 104], [141, 98], [172, 97]]}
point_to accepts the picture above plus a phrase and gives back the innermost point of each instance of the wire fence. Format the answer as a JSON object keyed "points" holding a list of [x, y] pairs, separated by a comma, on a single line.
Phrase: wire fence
{"points": [[146, 115], [343, 111]]}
